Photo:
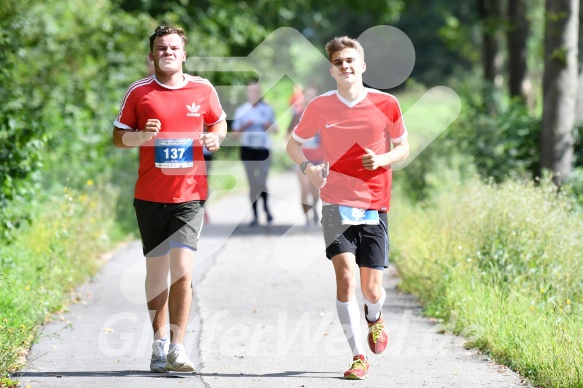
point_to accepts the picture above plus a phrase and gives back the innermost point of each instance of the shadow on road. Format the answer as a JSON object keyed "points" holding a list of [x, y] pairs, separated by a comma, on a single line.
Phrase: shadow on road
{"points": [[306, 374], [117, 373], [137, 373]]}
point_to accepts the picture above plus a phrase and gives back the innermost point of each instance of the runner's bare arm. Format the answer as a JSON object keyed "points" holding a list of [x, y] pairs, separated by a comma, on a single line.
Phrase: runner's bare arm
{"points": [[314, 173], [129, 139], [215, 135]]}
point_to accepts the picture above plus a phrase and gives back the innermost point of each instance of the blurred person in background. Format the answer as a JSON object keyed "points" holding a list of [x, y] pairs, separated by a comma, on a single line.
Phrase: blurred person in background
{"points": [[253, 122], [313, 151]]}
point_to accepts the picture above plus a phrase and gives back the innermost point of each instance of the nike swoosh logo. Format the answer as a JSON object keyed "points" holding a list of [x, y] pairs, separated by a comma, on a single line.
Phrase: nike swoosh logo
{"points": [[331, 125]]}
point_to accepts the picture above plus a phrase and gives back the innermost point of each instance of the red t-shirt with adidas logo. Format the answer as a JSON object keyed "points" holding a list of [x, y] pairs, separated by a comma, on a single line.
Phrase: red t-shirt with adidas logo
{"points": [[346, 128], [172, 168]]}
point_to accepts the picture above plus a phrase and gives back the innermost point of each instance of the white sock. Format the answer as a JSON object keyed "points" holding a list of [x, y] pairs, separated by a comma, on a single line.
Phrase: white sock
{"points": [[172, 346], [349, 316], [162, 341], [374, 309]]}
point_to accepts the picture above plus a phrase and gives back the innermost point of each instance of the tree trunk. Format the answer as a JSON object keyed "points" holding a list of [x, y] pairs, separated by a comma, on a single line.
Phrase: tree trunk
{"points": [[489, 12], [579, 109], [518, 83], [559, 87]]}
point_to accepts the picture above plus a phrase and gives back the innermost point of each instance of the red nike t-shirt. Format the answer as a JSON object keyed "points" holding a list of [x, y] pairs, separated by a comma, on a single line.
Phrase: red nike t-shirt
{"points": [[172, 168], [346, 128]]}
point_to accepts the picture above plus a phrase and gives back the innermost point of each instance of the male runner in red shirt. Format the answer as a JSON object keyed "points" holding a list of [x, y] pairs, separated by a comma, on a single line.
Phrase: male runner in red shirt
{"points": [[363, 134], [164, 115]]}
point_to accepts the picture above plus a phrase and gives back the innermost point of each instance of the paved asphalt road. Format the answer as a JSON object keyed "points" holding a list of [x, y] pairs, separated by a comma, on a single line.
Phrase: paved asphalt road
{"points": [[264, 316]]}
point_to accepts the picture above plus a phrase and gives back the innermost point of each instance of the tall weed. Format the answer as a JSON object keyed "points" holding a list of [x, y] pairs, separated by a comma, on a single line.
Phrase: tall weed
{"points": [[506, 258], [47, 260]]}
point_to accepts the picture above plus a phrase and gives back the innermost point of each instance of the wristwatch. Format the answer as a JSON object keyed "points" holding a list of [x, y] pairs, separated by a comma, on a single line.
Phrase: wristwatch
{"points": [[303, 166]]}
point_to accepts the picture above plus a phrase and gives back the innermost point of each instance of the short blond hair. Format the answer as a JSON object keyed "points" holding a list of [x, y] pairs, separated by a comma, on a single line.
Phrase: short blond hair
{"points": [[342, 42]]}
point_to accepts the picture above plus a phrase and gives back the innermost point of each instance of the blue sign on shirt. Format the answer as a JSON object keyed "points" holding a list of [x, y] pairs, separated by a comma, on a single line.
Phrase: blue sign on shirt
{"points": [[355, 216], [174, 153]]}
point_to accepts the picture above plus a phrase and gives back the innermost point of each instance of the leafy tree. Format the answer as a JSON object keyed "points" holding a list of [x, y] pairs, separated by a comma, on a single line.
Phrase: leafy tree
{"points": [[238, 26], [20, 119], [444, 36], [65, 66]]}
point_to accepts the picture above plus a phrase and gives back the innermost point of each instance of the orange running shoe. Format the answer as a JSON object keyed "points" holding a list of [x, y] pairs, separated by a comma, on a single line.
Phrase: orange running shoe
{"points": [[378, 337], [358, 369]]}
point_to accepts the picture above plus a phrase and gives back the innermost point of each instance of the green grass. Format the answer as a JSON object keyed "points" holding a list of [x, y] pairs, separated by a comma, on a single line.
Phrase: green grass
{"points": [[507, 260], [40, 269]]}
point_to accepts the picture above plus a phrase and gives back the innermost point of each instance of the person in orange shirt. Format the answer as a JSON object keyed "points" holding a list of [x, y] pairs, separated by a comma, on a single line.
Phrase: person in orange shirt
{"points": [[363, 134], [164, 115], [309, 193]]}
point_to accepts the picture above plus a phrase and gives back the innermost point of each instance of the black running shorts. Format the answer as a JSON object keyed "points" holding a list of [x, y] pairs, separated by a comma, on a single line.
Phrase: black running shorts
{"points": [[166, 225], [369, 243]]}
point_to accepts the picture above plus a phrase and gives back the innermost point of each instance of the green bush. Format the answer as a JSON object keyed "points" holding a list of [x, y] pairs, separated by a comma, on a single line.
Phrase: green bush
{"points": [[490, 138], [502, 144], [65, 67], [20, 122]]}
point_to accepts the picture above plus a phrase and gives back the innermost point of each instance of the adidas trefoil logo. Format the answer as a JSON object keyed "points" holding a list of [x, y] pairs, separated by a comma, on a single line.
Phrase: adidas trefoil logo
{"points": [[193, 110]]}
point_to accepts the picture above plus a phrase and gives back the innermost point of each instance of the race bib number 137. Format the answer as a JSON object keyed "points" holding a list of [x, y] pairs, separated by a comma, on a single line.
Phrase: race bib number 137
{"points": [[174, 153]]}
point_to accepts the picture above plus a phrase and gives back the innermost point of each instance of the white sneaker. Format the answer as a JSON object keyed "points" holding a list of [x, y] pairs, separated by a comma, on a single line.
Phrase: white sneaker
{"points": [[178, 361], [159, 351]]}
